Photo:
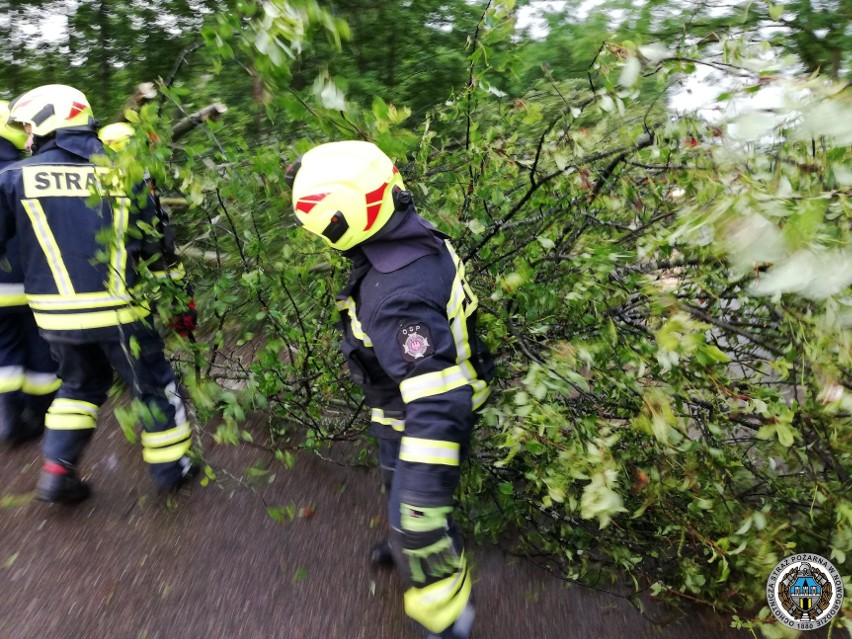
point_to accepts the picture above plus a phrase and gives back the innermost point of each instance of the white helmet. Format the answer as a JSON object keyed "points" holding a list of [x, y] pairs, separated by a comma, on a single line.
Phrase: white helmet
{"points": [[51, 107]]}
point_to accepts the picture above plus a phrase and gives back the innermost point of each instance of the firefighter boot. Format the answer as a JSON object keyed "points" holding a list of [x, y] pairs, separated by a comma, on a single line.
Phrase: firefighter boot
{"points": [[59, 484], [11, 411], [26, 431], [32, 420], [31, 427], [462, 626], [381, 555], [185, 471], [188, 470]]}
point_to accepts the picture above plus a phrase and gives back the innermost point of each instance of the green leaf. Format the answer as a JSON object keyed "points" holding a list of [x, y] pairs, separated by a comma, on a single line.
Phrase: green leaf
{"points": [[709, 354], [545, 242], [300, 575], [535, 447], [277, 513], [600, 501]]}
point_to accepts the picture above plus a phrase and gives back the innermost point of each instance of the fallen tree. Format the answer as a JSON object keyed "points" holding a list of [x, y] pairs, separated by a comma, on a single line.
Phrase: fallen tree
{"points": [[667, 298]]}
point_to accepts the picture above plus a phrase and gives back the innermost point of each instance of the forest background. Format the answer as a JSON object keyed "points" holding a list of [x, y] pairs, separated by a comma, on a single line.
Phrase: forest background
{"points": [[653, 200]]}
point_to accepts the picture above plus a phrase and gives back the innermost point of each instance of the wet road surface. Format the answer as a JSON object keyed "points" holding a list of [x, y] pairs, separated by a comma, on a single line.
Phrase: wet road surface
{"points": [[210, 563]]}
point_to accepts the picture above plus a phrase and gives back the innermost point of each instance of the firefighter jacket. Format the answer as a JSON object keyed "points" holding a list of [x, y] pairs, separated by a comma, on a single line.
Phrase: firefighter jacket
{"points": [[12, 298], [409, 339], [80, 251]]}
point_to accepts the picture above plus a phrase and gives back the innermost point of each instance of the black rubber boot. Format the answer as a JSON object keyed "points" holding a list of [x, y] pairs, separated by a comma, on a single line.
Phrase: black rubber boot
{"points": [[381, 555], [27, 432], [31, 427], [187, 470], [11, 416], [59, 484]]}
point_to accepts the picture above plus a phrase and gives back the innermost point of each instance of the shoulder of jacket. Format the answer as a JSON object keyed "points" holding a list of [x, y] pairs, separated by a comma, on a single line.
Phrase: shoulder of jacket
{"points": [[408, 286], [414, 276]]}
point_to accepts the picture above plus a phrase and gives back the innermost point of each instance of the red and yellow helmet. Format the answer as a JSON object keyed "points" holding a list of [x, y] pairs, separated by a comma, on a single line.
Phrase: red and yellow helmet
{"points": [[116, 135], [344, 191], [14, 134], [51, 107]]}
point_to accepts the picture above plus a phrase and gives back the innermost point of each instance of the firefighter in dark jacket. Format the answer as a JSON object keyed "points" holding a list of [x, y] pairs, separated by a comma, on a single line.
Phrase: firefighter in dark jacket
{"points": [[82, 238], [27, 371], [410, 342]]}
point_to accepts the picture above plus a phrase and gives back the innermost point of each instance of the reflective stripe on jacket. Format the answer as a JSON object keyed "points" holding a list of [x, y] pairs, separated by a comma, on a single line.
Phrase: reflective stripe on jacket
{"points": [[431, 389], [12, 299], [79, 253]]}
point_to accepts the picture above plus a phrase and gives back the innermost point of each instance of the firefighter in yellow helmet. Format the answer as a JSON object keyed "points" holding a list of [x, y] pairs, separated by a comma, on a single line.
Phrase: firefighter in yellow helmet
{"points": [[27, 371], [409, 319], [116, 137], [80, 287]]}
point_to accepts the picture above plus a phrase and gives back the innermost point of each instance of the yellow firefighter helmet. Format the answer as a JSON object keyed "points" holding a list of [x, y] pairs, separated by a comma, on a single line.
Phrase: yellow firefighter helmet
{"points": [[344, 191], [116, 135]]}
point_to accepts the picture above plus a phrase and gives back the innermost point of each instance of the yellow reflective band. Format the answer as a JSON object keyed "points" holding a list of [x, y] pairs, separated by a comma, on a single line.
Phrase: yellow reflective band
{"points": [[378, 416], [100, 319], [12, 295], [473, 301], [78, 301], [429, 451], [481, 392], [430, 384], [118, 259], [40, 383], [348, 305], [458, 327], [167, 454], [437, 606], [462, 304], [11, 378], [456, 299], [166, 437], [49, 247], [65, 405], [65, 421]]}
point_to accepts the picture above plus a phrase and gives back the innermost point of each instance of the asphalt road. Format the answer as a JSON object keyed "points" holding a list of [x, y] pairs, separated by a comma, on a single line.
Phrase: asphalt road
{"points": [[210, 563]]}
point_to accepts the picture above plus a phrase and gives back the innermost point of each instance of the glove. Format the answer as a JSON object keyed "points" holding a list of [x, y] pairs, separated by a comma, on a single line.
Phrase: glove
{"points": [[185, 323], [433, 556], [430, 544]]}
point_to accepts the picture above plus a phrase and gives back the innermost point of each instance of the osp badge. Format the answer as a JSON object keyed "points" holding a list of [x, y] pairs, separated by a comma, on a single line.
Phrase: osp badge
{"points": [[416, 341], [804, 591]]}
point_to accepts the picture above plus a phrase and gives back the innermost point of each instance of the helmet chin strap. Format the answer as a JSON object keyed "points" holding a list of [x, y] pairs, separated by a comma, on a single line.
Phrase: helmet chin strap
{"points": [[35, 142]]}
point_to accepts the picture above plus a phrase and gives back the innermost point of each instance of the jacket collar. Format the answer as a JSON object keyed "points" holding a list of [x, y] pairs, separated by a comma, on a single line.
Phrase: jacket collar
{"points": [[406, 242], [80, 141]]}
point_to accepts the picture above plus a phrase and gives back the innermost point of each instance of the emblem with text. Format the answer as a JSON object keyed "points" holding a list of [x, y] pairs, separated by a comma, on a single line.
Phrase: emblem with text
{"points": [[415, 339], [804, 591]]}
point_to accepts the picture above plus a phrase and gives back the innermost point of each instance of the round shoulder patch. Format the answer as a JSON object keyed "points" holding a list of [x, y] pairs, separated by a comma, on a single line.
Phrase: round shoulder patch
{"points": [[415, 340]]}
